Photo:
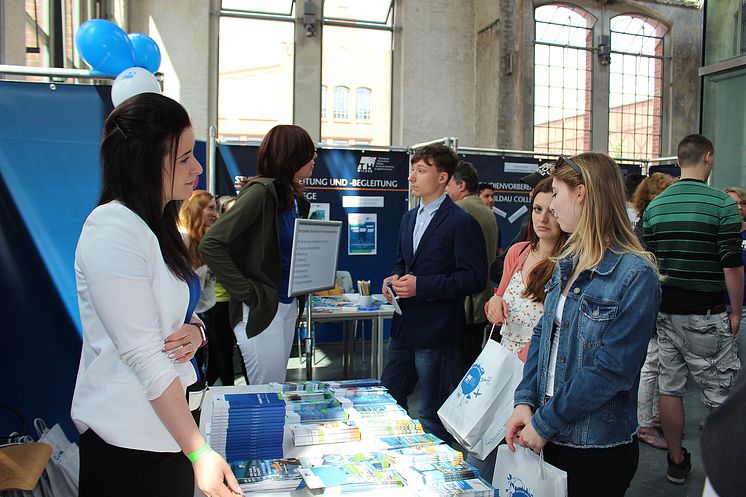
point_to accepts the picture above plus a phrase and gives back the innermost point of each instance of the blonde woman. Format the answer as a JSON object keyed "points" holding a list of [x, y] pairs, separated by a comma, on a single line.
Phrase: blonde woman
{"points": [[578, 398], [646, 191], [196, 215]]}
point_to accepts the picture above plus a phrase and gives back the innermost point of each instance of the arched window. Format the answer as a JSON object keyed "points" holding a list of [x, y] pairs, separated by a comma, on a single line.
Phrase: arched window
{"points": [[636, 87], [362, 103], [563, 76], [341, 96]]}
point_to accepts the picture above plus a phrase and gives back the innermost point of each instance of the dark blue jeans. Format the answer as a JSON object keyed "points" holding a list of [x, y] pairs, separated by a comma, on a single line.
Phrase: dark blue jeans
{"points": [[433, 368]]}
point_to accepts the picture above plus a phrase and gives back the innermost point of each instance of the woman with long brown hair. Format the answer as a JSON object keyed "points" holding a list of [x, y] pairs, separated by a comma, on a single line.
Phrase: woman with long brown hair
{"points": [[518, 301], [136, 293], [249, 250]]}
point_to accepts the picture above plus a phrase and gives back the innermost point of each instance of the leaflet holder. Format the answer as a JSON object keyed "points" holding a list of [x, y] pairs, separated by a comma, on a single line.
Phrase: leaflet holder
{"points": [[313, 267]]}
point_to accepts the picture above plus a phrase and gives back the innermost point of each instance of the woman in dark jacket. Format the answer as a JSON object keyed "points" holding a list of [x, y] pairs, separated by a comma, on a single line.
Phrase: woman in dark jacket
{"points": [[249, 250]]}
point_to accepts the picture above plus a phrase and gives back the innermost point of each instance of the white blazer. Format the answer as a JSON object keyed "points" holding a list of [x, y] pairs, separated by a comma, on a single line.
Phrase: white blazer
{"points": [[129, 303]]}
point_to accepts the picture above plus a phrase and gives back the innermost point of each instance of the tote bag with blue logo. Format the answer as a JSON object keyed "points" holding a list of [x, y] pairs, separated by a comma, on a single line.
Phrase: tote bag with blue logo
{"points": [[477, 411], [524, 473]]}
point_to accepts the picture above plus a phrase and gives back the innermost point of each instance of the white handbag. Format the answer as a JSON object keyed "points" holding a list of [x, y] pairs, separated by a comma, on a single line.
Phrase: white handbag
{"points": [[477, 411], [525, 473], [64, 465]]}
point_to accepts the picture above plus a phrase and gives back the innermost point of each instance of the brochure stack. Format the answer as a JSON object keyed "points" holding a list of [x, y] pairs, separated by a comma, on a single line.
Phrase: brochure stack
{"points": [[248, 430], [248, 426]]}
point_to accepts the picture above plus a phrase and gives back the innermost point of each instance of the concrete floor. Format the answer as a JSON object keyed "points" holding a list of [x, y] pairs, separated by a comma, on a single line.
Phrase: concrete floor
{"points": [[650, 480]]}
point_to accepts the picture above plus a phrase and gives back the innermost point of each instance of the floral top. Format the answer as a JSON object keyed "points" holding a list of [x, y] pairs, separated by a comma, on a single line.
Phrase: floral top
{"points": [[523, 316]]}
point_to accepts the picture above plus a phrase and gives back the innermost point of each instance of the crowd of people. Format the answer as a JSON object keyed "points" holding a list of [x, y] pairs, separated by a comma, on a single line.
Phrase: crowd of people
{"points": [[612, 295]]}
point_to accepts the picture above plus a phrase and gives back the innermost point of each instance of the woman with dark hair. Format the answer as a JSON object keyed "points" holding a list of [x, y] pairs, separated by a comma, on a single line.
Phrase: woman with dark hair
{"points": [[518, 302], [249, 250], [137, 293], [578, 398]]}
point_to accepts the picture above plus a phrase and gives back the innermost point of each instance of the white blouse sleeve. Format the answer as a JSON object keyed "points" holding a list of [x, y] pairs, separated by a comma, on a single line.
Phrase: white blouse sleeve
{"points": [[113, 258]]}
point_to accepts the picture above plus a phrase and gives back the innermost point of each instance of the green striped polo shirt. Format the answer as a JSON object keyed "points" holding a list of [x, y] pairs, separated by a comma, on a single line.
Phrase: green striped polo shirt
{"points": [[694, 232]]}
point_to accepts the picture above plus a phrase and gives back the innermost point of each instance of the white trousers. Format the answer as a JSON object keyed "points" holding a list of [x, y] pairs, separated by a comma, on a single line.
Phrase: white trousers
{"points": [[266, 355]]}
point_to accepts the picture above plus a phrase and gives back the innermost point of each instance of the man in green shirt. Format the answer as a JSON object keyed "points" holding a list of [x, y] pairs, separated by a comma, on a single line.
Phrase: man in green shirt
{"points": [[694, 232]]}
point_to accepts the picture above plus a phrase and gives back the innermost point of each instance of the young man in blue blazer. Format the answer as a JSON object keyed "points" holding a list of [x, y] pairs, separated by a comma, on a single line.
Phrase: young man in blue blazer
{"points": [[441, 258]]}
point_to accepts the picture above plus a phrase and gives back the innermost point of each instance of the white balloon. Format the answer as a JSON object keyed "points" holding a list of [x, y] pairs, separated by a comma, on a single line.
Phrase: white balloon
{"points": [[131, 82]]}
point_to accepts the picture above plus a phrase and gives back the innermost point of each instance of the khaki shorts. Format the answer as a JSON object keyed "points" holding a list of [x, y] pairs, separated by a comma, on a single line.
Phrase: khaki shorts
{"points": [[699, 344]]}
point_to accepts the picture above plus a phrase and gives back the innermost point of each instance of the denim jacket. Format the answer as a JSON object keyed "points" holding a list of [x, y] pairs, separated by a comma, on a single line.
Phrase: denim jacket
{"points": [[607, 321]]}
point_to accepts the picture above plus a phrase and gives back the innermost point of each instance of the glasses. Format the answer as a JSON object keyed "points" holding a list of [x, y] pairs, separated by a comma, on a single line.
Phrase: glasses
{"points": [[740, 204], [563, 159]]}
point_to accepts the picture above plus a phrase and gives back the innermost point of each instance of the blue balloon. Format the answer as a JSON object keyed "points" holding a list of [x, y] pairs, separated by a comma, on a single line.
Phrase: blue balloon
{"points": [[105, 46], [147, 53]]}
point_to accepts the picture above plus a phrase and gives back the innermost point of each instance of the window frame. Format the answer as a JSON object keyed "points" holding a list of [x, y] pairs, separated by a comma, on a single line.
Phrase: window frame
{"points": [[359, 91], [661, 58], [339, 114], [601, 78], [587, 116]]}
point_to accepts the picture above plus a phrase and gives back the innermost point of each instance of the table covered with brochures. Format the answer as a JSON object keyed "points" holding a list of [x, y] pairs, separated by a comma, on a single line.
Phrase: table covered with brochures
{"points": [[330, 438]]}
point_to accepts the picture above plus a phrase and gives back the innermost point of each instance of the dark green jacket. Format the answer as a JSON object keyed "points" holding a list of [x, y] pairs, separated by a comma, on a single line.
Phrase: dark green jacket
{"points": [[242, 248]]}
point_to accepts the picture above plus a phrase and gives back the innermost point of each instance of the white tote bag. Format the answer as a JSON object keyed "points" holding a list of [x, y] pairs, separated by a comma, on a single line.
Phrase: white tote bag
{"points": [[477, 411], [64, 465], [525, 473]]}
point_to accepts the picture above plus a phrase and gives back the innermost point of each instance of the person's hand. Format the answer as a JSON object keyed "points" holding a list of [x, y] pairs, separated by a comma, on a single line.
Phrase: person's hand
{"points": [[182, 344], [385, 289], [530, 439], [406, 286], [497, 310], [211, 473], [518, 420], [735, 322], [523, 353]]}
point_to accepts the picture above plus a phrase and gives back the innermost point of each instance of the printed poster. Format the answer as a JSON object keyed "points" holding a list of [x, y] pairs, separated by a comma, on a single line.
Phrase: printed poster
{"points": [[362, 233], [319, 211]]}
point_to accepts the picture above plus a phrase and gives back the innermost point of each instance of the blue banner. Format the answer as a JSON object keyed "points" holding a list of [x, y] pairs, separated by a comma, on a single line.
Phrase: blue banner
{"points": [[511, 195]]}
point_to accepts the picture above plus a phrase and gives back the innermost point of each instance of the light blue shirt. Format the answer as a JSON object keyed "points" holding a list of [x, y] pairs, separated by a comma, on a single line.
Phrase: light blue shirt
{"points": [[424, 215]]}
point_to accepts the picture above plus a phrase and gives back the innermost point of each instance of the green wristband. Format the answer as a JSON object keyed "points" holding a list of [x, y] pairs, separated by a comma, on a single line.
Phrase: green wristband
{"points": [[197, 454]]}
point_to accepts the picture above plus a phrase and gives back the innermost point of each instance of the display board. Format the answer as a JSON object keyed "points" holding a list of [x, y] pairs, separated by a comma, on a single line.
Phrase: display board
{"points": [[313, 262], [672, 169], [511, 195]]}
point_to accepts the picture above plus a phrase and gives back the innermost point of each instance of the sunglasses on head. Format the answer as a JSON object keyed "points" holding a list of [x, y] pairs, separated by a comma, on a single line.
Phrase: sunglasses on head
{"points": [[563, 159]]}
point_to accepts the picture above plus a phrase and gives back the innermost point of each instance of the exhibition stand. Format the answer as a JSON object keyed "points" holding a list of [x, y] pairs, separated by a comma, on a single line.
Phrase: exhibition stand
{"points": [[50, 174]]}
